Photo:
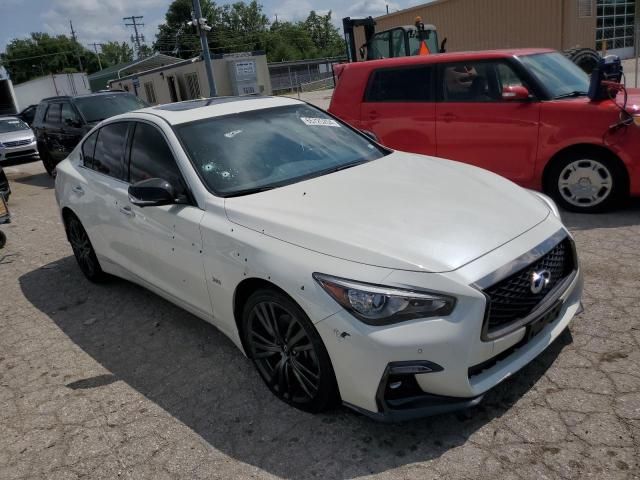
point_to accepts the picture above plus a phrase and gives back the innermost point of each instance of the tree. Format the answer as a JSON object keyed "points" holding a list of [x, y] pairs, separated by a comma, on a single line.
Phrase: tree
{"points": [[41, 54], [325, 36], [174, 37], [243, 26], [114, 53], [145, 51]]}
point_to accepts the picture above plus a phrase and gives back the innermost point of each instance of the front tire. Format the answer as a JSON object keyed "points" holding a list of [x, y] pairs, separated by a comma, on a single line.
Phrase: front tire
{"points": [[48, 162], [83, 250], [288, 351], [587, 182]]}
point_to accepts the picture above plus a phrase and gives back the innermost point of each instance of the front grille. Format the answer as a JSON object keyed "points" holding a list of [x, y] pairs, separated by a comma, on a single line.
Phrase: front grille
{"points": [[511, 299], [22, 153], [17, 143]]}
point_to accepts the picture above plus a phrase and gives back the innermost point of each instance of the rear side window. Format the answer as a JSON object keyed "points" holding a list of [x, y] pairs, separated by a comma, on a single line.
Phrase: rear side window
{"points": [[151, 157], [413, 84], [53, 114], [110, 148], [88, 148]]}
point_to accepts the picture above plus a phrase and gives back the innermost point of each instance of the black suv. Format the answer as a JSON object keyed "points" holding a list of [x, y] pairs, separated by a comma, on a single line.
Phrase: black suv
{"points": [[61, 122]]}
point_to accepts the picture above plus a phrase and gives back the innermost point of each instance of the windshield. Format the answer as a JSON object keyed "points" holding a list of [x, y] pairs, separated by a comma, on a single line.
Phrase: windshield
{"points": [[557, 73], [261, 149], [99, 107], [12, 125]]}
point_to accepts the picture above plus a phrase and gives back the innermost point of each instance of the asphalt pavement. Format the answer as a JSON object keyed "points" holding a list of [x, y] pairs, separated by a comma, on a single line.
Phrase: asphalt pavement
{"points": [[111, 381]]}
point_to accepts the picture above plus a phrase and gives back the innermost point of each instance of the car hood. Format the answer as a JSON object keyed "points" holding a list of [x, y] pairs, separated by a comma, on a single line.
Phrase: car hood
{"points": [[403, 211], [16, 136]]}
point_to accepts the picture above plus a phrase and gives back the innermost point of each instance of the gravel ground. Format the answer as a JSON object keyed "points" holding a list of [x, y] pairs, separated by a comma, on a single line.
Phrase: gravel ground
{"points": [[111, 381]]}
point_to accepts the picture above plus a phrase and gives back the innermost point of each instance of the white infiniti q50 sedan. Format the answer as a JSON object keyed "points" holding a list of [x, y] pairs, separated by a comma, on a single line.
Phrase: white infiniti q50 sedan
{"points": [[402, 285]]}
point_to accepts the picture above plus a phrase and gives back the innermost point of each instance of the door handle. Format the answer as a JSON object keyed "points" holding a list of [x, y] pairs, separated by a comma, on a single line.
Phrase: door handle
{"points": [[78, 189], [127, 211]]}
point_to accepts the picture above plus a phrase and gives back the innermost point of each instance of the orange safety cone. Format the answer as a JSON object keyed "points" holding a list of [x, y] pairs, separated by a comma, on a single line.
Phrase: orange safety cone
{"points": [[424, 50]]}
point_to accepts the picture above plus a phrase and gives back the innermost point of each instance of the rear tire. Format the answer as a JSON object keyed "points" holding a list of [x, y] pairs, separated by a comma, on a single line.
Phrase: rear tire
{"points": [[3, 240], [587, 182], [288, 352], [83, 250]]}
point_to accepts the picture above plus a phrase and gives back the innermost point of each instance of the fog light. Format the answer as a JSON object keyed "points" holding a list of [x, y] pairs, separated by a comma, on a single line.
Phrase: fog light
{"points": [[395, 385]]}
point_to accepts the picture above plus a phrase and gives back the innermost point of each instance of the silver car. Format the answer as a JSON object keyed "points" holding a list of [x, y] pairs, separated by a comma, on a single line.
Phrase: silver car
{"points": [[17, 141]]}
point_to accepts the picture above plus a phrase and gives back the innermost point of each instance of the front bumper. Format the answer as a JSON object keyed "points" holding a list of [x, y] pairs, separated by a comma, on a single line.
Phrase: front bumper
{"points": [[23, 152], [469, 366]]}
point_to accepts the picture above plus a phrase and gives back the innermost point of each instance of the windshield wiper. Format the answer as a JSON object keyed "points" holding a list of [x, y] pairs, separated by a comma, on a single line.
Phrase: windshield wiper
{"points": [[575, 93], [249, 191], [344, 167]]}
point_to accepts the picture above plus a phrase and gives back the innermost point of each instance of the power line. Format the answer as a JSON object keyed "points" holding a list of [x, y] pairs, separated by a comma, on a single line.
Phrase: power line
{"points": [[37, 56], [138, 38]]}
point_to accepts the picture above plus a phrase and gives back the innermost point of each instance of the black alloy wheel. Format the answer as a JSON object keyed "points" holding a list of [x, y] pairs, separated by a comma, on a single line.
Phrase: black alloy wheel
{"points": [[83, 250], [288, 352]]}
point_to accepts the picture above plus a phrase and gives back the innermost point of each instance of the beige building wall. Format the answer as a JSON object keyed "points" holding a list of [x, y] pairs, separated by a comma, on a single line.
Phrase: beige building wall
{"points": [[159, 79], [491, 24]]}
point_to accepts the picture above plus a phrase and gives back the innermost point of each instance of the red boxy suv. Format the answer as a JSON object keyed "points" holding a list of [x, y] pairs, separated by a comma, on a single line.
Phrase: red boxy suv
{"points": [[523, 114]]}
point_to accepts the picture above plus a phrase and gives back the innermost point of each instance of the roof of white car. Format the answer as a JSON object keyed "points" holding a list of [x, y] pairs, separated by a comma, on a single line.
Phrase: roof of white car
{"points": [[191, 110]]}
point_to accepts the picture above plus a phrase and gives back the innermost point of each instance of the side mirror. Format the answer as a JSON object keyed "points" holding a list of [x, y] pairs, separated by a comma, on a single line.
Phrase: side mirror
{"points": [[371, 135], [152, 192], [515, 93]]}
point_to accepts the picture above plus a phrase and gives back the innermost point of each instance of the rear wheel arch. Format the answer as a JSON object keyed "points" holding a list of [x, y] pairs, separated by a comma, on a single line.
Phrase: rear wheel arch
{"points": [[67, 213]]}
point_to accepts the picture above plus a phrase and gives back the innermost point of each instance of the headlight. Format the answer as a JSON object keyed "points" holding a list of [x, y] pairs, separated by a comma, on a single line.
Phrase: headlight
{"points": [[380, 305], [548, 202]]}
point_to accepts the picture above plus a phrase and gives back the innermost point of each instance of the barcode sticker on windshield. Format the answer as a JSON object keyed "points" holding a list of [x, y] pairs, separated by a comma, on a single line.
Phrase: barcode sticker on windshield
{"points": [[321, 122]]}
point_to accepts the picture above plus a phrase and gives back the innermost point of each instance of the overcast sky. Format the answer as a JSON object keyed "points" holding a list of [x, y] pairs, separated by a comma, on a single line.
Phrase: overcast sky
{"points": [[101, 20]]}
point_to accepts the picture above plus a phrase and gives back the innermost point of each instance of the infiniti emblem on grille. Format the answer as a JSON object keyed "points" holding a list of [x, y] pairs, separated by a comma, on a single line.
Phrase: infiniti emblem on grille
{"points": [[540, 280]]}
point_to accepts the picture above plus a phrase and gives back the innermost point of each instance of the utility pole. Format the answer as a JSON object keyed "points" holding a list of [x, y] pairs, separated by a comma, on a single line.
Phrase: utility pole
{"points": [[73, 36], [201, 24], [137, 39], [95, 47]]}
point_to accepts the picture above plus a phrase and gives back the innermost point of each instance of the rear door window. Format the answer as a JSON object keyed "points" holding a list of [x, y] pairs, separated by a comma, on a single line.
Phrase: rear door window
{"points": [[88, 149], [412, 84], [110, 149], [53, 114]]}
